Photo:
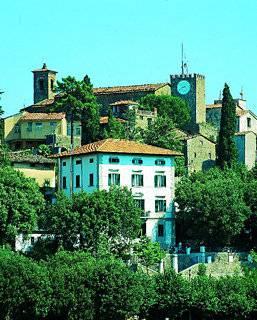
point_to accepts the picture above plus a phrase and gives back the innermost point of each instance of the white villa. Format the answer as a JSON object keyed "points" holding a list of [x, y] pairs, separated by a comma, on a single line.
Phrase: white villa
{"points": [[146, 170]]}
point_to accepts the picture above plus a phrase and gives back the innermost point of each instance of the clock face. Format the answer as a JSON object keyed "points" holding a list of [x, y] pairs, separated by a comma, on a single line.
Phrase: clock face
{"points": [[183, 87]]}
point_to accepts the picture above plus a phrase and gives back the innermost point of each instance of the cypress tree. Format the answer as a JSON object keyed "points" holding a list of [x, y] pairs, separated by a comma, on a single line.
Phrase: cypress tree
{"points": [[226, 148]]}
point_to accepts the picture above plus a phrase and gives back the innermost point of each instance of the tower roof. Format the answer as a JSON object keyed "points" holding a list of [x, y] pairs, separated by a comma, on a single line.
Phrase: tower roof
{"points": [[44, 69]]}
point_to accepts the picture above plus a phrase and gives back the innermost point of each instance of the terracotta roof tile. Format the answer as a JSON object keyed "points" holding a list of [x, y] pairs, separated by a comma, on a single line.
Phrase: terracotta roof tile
{"points": [[119, 146], [23, 157], [214, 105], [42, 116], [124, 102], [131, 88], [104, 120]]}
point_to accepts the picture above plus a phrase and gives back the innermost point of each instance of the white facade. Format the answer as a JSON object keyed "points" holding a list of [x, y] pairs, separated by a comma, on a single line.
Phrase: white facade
{"points": [[149, 177], [247, 122]]}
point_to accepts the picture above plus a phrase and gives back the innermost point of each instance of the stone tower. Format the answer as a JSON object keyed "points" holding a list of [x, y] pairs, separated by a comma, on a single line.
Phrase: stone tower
{"points": [[44, 82], [191, 87]]}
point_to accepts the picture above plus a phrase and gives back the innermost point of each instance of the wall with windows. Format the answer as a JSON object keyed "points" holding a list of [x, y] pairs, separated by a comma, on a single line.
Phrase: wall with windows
{"points": [[200, 154], [150, 178], [248, 122], [39, 129]]}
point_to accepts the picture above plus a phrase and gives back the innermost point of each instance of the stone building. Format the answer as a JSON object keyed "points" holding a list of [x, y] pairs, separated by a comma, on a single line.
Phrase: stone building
{"points": [[191, 87], [109, 95], [246, 119], [28, 130], [44, 82], [198, 150], [143, 118]]}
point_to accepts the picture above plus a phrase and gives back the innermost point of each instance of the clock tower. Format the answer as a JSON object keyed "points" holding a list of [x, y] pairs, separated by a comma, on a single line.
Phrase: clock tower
{"points": [[191, 87]]}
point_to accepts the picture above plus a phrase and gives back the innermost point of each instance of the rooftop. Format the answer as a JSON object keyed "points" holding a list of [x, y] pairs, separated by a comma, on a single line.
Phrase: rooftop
{"points": [[42, 116], [131, 88], [104, 120], [44, 68], [119, 146], [124, 102], [239, 111], [25, 157]]}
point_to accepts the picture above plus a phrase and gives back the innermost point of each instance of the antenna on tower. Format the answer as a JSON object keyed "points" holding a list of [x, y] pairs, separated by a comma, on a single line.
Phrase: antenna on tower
{"points": [[242, 94], [182, 59], [184, 66]]}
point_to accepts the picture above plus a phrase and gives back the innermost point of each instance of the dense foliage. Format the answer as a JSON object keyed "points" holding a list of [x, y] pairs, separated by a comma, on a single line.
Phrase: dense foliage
{"points": [[71, 286], [20, 203], [85, 220], [172, 107], [226, 148], [77, 100], [212, 206]]}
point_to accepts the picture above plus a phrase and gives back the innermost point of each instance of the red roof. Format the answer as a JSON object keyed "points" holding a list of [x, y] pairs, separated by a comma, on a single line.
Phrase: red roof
{"points": [[119, 146], [131, 88], [42, 116]]}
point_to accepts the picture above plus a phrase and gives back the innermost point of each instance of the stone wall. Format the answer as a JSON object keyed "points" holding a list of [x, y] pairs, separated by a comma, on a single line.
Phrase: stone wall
{"points": [[200, 154]]}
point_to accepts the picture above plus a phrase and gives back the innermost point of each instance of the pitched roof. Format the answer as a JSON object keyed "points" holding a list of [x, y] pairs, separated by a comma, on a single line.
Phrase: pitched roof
{"points": [[104, 120], [44, 68], [119, 146], [239, 111], [242, 133], [131, 88], [42, 116], [214, 105], [23, 157], [124, 102]]}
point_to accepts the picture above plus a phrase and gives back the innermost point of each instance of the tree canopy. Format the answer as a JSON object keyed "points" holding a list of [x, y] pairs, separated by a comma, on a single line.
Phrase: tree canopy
{"points": [[102, 214], [172, 107], [76, 98], [226, 148], [20, 203], [161, 133], [212, 207]]}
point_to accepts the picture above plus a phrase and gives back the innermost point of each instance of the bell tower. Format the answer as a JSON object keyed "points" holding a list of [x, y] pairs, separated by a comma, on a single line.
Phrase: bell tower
{"points": [[44, 82]]}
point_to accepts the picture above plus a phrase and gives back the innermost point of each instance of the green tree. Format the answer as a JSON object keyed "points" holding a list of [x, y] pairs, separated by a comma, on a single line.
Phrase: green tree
{"points": [[119, 292], [25, 289], [77, 100], [148, 253], [102, 214], [20, 203], [226, 148], [175, 108], [4, 155], [114, 128], [161, 133], [173, 296], [44, 150], [71, 276], [211, 206]]}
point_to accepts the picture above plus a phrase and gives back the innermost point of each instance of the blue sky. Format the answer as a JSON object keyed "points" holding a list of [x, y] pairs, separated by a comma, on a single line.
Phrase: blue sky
{"points": [[119, 42]]}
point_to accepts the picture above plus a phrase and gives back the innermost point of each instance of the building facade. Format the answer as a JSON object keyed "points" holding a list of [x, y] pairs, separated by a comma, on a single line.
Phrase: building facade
{"points": [[146, 170], [37, 167], [246, 148]]}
